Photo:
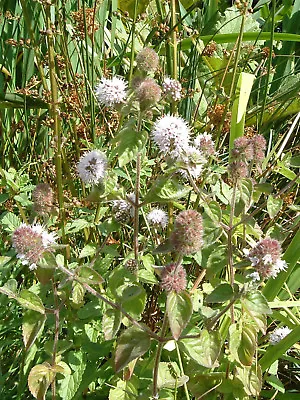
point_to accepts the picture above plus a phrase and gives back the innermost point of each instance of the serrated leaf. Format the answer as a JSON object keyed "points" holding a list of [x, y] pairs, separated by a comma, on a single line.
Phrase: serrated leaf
{"points": [[147, 276], [251, 379], [39, 379], [32, 327], [31, 301], [256, 306], [70, 383], [204, 350], [276, 383], [78, 292], [220, 294], [166, 189], [89, 276], [10, 221], [132, 344], [125, 390], [246, 191], [111, 323], [130, 146], [213, 210], [133, 299], [211, 231], [61, 347], [179, 308], [242, 343], [273, 206], [169, 376], [77, 225], [88, 250]]}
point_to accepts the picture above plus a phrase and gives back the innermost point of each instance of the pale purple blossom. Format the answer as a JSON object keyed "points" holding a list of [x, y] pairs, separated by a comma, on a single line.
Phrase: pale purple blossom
{"points": [[157, 218], [92, 167], [110, 92]]}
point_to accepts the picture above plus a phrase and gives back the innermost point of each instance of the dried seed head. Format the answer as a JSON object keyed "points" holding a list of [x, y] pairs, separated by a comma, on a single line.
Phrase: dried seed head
{"points": [[186, 237], [147, 60], [173, 278]]}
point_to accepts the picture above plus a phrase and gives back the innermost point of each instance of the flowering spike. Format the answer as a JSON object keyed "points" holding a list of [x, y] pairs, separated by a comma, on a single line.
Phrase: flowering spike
{"points": [[43, 198], [187, 235], [171, 134], [147, 60], [92, 167], [265, 256], [110, 92], [172, 89], [31, 242], [157, 218], [173, 277]]}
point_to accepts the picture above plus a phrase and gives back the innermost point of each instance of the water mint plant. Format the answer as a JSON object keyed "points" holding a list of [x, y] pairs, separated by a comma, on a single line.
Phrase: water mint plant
{"points": [[149, 200]]}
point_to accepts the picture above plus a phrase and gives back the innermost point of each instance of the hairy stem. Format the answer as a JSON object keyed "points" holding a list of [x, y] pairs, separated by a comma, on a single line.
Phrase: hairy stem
{"points": [[157, 357], [230, 246]]}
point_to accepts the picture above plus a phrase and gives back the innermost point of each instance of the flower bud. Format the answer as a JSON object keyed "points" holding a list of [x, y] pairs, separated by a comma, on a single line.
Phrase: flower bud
{"points": [[43, 198], [147, 60], [187, 235], [148, 93], [173, 277]]}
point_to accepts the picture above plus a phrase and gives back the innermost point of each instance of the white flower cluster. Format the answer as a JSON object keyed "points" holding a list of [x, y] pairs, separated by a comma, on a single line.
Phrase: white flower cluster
{"points": [[278, 334], [92, 167], [110, 92], [157, 218], [194, 160], [172, 89], [123, 209]]}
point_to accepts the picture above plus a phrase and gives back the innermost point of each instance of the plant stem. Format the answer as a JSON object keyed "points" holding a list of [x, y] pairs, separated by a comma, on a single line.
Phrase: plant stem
{"points": [[157, 357], [230, 246], [144, 328], [54, 113], [136, 208], [182, 371], [56, 334]]}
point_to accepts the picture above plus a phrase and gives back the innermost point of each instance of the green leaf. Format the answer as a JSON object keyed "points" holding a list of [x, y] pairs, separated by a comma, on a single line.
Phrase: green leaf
{"points": [[88, 250], [125, 390], [70, 383], [220, 294], [132, 344], [179, 308], [213, 210], [31, 301], [255, 304], [295, 162], [273, 206], [111, 323], [169, 376], [166, 189], [204, 350], [133, 299], [211, 231], [78, 292], [276, 383], [10, 221], [32, 327], [128, 6], [89, 276], [251, 379], [147, 276], [39, 379], [239, 107], [77, 225], [246, 191], [242, 343]]}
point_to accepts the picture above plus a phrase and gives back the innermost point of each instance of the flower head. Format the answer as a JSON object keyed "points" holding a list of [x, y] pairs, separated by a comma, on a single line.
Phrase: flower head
{"points": [[238, 170], [278, 334], [186, 237], [157, 218], [148, 93], [259, 147], [147, 60], [31, 242], [123, 210], [111, 91], [92, 167], [205, 143], [171, 134], [265, 256], [43, 198], [194, 160], [243, 148], [173, 277], [172, 89]]}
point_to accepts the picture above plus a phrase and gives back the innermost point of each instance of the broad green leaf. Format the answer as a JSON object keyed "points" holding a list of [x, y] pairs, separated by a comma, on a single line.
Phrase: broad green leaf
{"points": [[211, 231], [220, 294], [147, 276], [246, 191], [128, 6], [125, 390], [70, 383], [169, 376], [61, 347], [166, 189], [39, 379], [251, 379], [88, 250], [204, 350], [133, 299], [274, 206], [10, 221], [276, 383], [213, 210], [32, 327], [132, 344], [179, 308], [242, 343], [255, 304], [111, 323], [217, 259], [77, 225], [295, 162], [31, 301], [89, 276], [78, 292]]}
